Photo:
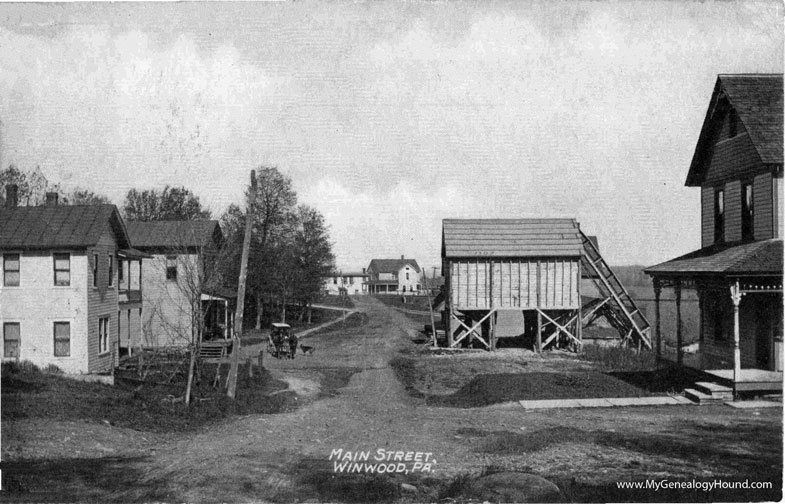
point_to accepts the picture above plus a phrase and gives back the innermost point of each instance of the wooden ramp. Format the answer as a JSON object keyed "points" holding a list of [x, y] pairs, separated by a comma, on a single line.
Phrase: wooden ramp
{"points": [[620, 310]]}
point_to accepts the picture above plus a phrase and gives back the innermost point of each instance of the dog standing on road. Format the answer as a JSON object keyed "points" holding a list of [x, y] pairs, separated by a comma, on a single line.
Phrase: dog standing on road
{"points": [[307, 350]]}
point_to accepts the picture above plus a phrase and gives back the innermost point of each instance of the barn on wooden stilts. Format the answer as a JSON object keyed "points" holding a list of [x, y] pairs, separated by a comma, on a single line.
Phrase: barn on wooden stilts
{"points": [[521, 278]]}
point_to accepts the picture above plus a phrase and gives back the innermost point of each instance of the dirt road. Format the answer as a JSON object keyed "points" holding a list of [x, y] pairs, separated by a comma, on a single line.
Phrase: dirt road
{"points": [[263, 457], [352, 401]]}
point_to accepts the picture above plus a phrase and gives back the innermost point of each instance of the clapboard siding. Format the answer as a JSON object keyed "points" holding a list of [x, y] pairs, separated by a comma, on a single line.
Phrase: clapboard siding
{"points": [[733, 158], [550, 283], [763, 207], [777, 213], [733, 211], [707, 216], [102, 300], [167, 313]]}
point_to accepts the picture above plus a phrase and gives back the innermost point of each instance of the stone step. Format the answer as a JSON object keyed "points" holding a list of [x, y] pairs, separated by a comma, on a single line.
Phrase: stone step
{"points": [[715, 390], [701, 398]]}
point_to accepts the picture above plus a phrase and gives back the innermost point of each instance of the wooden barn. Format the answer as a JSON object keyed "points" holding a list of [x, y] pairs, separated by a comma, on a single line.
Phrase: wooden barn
{"points": [[521, 278]]}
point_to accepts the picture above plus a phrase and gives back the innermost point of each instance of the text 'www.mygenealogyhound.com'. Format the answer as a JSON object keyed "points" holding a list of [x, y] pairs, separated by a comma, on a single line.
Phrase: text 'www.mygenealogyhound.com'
{"points": [[705, 486], [381, 461]]}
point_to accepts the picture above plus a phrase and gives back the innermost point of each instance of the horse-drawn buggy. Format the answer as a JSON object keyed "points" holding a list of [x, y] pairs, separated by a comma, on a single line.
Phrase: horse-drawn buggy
{"points": [[282, 342]]}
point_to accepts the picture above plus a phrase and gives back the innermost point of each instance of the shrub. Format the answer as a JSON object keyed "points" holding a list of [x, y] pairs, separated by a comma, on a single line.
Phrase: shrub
{"points": [[617, 358]]}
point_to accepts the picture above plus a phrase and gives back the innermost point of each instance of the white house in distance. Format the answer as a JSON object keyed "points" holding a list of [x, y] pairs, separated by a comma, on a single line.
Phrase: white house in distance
{"points": [[179, 285], [60, 299], [353, 282], [394, 276]]}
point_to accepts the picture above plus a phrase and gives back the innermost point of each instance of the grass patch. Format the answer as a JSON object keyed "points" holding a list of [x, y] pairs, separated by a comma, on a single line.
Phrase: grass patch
{"points": [[336, 301], [145, 406], [489, 389], [352, 323], [617, 358], [417, 303], [77, 479]]}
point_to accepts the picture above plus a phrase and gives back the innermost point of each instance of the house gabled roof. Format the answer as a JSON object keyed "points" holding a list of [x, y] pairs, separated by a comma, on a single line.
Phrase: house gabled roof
{"points": [[392, 265], [59, 227], [734, 259], [511, 238], [174, 235], [758, 101]]}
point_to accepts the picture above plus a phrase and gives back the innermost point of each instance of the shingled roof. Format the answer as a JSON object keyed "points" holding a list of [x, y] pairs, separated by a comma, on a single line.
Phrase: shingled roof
{"points": [[174, 234], [754, 258], [511, 238], [59, 227], [391, 265], [758, 102]]}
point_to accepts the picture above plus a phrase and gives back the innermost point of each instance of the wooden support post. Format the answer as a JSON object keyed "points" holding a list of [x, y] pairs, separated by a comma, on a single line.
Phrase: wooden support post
{"points": [[539, 332], [679, 342], [735, 295], [579, 327], [657, 328], [231, 384]]}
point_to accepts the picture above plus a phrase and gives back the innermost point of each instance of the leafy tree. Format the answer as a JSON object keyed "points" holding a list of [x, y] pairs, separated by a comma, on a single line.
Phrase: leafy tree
{"points": [[32, 186], [313, 253], [290, 248], [172, 203], [81, 196]]}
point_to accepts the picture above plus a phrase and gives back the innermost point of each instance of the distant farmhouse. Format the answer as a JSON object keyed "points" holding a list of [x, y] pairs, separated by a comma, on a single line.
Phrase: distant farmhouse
{"points": [[351, 283], [737, 272], [394, 276], [63, 298], [181, 283]]}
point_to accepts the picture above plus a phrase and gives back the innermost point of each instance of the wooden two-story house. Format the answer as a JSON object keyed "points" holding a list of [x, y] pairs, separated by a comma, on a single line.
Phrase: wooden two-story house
{"points": [[62, 301], [394, 276], [352, 283], [184, 297], [738, 270]]}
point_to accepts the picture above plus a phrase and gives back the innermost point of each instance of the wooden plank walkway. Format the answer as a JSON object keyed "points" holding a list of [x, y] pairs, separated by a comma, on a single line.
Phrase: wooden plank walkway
{"points": [[610, 402]]}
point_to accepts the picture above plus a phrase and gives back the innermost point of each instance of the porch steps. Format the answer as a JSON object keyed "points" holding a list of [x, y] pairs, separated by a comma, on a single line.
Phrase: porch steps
{"points": [[212, 351], [709, 393], [715, 390]]}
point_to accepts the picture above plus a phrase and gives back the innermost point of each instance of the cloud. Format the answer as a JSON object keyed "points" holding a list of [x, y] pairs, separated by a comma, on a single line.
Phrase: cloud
{"points": [[400, 113]]}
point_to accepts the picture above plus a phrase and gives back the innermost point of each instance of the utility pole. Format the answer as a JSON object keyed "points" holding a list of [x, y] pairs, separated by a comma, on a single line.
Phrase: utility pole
{"points": [[231, 382]]}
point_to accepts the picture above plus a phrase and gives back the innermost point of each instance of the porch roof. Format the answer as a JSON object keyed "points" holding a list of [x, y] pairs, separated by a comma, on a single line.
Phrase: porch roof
{"points": [[759, 258]]}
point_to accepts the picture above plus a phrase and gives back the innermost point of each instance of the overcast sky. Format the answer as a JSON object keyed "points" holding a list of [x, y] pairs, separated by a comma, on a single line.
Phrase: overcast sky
{"points": [[388, 116]]}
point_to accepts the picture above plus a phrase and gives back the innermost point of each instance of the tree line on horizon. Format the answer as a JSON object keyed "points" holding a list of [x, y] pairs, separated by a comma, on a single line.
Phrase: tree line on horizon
{"points": [[290, 249]]}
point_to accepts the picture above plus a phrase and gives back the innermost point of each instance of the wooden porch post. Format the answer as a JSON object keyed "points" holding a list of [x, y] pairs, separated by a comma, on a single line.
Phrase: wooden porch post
{"points": [[657, 327], [539, 332], [735, 295], [679, 343]]}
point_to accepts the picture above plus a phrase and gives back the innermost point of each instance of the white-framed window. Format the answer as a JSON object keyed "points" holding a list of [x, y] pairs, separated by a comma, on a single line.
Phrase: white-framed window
{"points": [[62, 268], [171, 267], [11, 270], [103, 335], [11, 339], [111, 270], [62, 337]]}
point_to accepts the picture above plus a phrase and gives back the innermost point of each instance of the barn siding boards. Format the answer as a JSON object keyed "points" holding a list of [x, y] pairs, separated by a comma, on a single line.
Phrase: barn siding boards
{"points": [[514, 283], [763, 207]]}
